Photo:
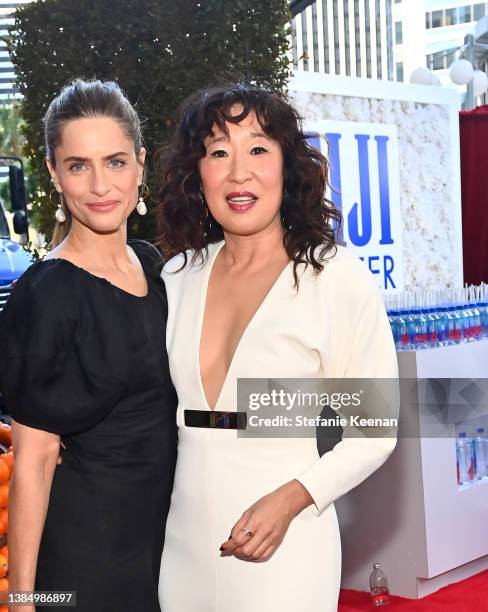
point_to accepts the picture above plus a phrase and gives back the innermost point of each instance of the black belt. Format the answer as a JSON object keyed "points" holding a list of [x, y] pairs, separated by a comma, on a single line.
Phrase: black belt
{"points": [[215, 419]]}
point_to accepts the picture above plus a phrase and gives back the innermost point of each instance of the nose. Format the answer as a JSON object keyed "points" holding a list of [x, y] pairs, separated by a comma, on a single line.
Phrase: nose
{"points": [[240, 171], [100, 185]]}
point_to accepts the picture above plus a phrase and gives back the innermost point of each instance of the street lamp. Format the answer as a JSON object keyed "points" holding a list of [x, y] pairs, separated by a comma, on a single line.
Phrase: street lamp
{"points": [[463, 71]]}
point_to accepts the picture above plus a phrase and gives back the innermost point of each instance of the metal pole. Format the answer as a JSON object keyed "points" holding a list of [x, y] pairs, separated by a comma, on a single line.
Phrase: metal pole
{"points": [[469, 102]]}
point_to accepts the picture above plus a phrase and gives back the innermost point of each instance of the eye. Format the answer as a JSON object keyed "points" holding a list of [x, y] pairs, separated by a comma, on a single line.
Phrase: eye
{"points": [[77, 167], [116, 163], [258, 150], [219, 153]]}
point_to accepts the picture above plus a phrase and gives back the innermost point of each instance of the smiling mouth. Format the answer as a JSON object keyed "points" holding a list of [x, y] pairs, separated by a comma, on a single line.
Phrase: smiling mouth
{"points": [[102, 206], [241, 201]]}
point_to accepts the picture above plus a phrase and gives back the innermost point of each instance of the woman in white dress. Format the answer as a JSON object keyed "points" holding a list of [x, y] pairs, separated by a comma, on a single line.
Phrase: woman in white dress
{"points": [[258, 288]]}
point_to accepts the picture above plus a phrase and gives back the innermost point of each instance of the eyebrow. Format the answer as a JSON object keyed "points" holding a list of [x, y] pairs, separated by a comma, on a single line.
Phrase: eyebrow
{"points": [[226, 138], [75, 158]]}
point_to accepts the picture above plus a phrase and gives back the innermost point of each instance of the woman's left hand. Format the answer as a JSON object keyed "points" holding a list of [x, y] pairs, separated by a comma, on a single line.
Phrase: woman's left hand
{"points": [[267, 521]]}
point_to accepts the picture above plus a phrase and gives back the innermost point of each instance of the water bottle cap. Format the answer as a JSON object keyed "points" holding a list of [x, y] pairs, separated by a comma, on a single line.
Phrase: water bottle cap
{"points": [[462, 434], [376, 566]]}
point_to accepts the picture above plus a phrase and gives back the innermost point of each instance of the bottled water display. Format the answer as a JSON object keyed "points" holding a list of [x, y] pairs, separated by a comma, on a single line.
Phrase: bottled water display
{"points": [[464, 459], [378, 586], [480, 454], [427, 319], [472, 457]]}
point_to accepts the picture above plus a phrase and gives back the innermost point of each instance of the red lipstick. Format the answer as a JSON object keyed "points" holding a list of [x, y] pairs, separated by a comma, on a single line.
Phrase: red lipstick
{"points": [[241, 201]]}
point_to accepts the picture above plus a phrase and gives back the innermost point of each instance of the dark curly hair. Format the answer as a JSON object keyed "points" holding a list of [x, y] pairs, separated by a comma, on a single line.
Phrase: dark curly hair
{"points": [[184, 221]]}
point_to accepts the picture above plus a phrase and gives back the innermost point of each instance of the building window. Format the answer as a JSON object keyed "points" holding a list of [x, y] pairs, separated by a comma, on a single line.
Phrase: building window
{"points": [[347, 44], [479, 11], [399, 71], [379, 66], [438, 61], [437, 19], [315, 38], [368, 45], [428, 23], [450, 58], [304, 40], [398, 33], [465, 14], [452, 16]]}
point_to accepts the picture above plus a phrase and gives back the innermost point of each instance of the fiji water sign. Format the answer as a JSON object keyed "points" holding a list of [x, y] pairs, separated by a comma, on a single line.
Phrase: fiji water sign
{"points": [[364, 178]]}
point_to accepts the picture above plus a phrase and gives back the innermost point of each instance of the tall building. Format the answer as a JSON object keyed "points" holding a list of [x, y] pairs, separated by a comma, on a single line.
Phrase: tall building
{"points": [[408, 17], [344, 37], [8, 91], [446, 25]]}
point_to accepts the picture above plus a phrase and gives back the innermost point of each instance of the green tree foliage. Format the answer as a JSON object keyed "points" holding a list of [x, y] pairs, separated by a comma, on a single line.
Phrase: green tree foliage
{"points": [[12, 143], [159, 51]]}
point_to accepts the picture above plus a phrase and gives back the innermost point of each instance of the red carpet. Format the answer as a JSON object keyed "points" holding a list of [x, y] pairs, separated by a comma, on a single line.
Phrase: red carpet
{"points": [[470, 595]]}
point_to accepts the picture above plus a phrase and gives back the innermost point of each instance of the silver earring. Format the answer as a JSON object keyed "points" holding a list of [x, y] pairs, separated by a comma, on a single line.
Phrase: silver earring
{"points": [[141, 205]]}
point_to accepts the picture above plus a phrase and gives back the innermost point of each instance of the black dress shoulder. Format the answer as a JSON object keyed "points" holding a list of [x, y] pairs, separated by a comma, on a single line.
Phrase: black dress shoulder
{"points": [[87, 360]]}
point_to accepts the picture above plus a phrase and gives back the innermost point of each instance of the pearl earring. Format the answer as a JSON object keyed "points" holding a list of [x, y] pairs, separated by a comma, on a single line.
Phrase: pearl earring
{"points": [[141, 205], [59, 215]]}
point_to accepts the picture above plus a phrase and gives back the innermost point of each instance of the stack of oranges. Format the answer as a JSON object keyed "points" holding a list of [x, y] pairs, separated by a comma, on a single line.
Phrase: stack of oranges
{"points": [[6, 468]]}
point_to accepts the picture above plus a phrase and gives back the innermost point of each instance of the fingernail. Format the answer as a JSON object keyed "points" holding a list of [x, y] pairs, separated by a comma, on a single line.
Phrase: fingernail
{"points": [[221, 548]]}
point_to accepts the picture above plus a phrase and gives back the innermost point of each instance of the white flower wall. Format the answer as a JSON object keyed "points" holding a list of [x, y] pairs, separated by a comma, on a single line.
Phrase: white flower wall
{"points": [[429, 233]]}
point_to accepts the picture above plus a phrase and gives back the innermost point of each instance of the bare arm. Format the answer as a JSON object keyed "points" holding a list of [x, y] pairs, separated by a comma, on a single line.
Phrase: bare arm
{"points": [[36, 455]]}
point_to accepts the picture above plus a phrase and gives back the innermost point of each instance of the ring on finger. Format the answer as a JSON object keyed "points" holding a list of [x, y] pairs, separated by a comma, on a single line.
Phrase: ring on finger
{"points": [[246, 531]]}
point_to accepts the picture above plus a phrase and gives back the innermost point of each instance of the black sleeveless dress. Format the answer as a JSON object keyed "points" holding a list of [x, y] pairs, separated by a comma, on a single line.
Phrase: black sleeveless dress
{"points": [[86, 360]]}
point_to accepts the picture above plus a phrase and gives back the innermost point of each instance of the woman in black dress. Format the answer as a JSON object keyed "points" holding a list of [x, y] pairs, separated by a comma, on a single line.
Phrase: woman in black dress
{"points": [[84, 373]]}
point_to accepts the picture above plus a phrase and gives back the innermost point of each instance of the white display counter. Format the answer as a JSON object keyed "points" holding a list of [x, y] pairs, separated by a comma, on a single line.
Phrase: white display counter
{"points": [[411, 516]]}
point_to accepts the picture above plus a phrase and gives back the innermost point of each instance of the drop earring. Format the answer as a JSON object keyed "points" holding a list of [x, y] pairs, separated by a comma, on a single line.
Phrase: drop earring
{"points": [[141, 205], [59, 215]]}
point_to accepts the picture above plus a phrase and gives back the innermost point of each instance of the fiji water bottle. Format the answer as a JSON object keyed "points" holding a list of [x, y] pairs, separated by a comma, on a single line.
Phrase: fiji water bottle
{"points": [[420, 329], [468, 322], [378, 584], [455, 325], [442, 326], [432, 327], [404, 336], [394, 324], [465, 467], [475, 322], [483, 308], [479, 452]]}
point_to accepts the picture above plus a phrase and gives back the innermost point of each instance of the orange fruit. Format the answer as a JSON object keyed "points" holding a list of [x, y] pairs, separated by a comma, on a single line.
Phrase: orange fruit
{"points": [[3, 566], [4, 552], [5, 434], [9, 460], [4, 495], [4, 471], [3, 521]]}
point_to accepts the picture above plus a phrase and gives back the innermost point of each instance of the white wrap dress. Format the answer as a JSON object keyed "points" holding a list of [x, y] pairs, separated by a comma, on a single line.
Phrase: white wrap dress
{"points": [[335, 326]]}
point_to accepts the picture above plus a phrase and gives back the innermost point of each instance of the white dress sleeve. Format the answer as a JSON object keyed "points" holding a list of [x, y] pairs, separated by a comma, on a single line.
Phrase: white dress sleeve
{"points": [[359, 345]]}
